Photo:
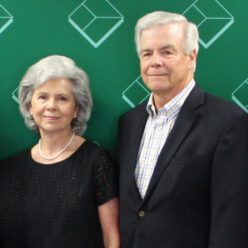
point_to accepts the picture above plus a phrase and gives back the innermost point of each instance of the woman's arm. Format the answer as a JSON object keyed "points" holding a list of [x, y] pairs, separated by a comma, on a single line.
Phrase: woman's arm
{"points": [[109, 220]]}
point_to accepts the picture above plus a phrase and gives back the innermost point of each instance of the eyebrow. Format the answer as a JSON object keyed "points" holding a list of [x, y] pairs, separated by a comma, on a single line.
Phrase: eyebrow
{"points": [[160, 49], [47, 93], [167, 47], [145, 50]]}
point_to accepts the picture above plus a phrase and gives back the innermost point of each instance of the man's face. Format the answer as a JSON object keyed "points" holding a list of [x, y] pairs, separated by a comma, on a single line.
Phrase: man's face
{"points": [[165, 68]]}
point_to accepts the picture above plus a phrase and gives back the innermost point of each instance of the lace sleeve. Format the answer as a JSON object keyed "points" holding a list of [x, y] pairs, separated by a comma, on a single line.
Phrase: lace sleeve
{"points": [[105, 178]]}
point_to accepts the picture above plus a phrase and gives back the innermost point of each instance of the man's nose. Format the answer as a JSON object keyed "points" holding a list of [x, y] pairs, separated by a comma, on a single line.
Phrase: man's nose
{"points": [[156, 60]]}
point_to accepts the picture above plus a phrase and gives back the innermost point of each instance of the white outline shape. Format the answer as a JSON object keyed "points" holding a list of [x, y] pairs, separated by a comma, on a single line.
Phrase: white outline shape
{"points": [[8, 16], [14, 97], [235, 99], [215, 37], [87, 37], [128, 101]]}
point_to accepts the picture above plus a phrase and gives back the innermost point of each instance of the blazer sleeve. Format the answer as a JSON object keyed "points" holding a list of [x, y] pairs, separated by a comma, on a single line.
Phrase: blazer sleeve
{"points": [[229, 187]]}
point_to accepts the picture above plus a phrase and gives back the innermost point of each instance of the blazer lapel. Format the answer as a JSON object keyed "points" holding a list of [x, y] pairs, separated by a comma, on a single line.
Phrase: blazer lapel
{"points": [[136, 135], [186, 118]]}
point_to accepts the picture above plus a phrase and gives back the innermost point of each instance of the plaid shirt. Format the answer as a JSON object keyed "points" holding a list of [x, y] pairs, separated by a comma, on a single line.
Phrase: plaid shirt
{"points": [[158, 126]]}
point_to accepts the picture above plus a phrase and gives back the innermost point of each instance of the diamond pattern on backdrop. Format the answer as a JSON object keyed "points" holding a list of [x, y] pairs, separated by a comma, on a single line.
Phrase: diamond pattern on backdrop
{"points": [[135, 93], [5, 18], [240, 95], [96, 20], [15, 95], [211, 18]]}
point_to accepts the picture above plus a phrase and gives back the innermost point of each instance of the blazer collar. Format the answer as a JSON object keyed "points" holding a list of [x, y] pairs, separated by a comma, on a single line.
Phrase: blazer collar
{"points": [[185, 119]]}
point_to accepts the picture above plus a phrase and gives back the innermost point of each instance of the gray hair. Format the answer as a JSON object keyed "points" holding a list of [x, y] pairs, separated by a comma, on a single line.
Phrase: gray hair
{"points": [[51, 67], [162, 18]]}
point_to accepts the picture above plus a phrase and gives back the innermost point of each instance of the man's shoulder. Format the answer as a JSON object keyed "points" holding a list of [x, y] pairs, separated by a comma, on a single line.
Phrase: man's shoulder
{"points": [[222, 106], [216, 104], [135, 112]]}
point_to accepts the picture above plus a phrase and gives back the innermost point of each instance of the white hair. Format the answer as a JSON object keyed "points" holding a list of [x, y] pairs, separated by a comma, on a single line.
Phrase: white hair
{"points": [[51, 67], [162, 18]]}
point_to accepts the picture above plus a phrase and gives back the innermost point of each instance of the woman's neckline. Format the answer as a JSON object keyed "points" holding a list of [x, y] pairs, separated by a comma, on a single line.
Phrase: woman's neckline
{"points": [[81, 146]]}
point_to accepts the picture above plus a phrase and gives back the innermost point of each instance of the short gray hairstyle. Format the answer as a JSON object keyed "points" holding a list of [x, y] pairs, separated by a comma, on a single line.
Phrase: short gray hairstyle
{"points": [[162, 18], [52, 67]]}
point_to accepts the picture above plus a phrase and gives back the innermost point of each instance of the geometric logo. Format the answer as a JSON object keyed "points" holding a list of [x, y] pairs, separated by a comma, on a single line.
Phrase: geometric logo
{"points": [[5, 18], [211, 18], [240, 95], [15, 95], [96, 20], [135, 93]]}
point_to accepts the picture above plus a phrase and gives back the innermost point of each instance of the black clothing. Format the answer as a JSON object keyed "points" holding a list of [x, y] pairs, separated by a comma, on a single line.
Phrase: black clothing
{"points": [[198, 193], [55, 205]]}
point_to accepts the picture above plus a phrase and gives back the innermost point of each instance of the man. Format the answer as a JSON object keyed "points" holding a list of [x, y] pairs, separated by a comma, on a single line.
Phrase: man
{"points": [[183, 154]]}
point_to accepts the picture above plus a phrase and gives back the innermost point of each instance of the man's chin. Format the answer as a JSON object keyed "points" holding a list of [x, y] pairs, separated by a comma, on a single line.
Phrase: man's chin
{"points": [[156, 86]]}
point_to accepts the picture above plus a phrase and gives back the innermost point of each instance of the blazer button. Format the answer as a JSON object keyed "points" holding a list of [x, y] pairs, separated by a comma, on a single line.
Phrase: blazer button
{"points": [[141, 213]]}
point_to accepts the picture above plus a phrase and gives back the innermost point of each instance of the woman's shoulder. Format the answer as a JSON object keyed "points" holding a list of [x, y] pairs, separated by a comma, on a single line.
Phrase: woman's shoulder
{"points": [[18, 158], [91, 147], [93, 150]]}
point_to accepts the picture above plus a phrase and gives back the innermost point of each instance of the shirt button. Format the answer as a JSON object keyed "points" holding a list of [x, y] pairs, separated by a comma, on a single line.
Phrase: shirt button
{"points": [[141, 213]]}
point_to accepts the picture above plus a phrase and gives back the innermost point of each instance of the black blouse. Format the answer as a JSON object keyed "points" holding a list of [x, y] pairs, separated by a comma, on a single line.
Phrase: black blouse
{"points": [[55, 205]]}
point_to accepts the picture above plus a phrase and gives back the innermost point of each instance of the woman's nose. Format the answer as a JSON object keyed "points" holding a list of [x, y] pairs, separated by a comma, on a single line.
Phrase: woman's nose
{"points": [[51, 104]]}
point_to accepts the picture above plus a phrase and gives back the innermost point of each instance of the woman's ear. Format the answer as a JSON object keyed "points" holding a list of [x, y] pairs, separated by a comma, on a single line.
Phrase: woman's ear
{"points": [[30, 109], [75, 112]]}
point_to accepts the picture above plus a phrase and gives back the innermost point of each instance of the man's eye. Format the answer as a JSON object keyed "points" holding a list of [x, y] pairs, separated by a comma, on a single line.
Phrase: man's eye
{"points": [[168, 52], [145, 55]]}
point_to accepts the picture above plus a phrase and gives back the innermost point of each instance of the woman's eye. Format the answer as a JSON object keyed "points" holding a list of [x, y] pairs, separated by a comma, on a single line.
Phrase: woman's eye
{"points": [[62, 98], [42, 97]]}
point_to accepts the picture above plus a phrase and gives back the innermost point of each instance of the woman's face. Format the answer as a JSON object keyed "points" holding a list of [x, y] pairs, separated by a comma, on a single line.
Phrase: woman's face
{"points": [[53, 106]]}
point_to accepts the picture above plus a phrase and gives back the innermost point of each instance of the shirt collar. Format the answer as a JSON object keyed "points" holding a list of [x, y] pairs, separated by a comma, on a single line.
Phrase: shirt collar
{"points": [[174, 105]]}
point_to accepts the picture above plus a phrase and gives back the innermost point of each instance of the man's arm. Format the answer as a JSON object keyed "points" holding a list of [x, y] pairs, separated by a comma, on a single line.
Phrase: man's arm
{"points": [[229, 187]]}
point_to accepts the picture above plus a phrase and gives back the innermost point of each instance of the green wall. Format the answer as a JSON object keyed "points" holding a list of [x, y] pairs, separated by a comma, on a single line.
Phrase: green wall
{"points": [[98, 35]]}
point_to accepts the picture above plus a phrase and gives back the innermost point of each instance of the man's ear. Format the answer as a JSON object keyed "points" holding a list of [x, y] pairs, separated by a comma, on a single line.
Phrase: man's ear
{"points": [[192, 57]]}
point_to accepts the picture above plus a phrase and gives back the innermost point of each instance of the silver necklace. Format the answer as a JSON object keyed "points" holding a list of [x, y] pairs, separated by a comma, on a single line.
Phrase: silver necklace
{"points": [[59, 153]]}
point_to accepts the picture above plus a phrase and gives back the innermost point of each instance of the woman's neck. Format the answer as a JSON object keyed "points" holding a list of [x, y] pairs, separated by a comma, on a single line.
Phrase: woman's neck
{"points": [[52, 146], [55, 147]]}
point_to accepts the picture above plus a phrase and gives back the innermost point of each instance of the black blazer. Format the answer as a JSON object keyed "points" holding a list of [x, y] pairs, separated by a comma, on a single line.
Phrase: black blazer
{"points": [[198, 194]]}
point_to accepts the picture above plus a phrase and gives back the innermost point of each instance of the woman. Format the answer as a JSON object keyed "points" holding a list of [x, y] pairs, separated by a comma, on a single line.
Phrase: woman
{"points": [[62, 192]]}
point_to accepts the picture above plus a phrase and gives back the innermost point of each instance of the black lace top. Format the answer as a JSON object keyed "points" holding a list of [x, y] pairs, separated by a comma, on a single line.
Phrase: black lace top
{"points": [[55, 206]]}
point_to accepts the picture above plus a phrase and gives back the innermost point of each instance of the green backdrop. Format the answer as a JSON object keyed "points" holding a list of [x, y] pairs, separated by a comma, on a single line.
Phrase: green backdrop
{"points": [[98, 35]]}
